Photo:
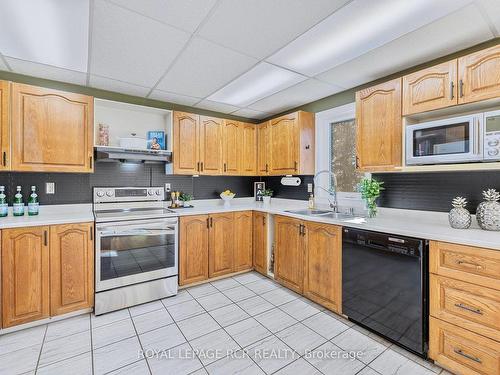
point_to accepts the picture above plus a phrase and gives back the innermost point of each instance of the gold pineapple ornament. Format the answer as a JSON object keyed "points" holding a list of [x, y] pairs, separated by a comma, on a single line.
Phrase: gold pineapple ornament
{"points": [[488, 212], [459, 217]]}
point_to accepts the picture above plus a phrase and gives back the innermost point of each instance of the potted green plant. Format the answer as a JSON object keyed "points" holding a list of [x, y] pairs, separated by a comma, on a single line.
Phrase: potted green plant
{"points": [[266, 196], [370, 190], [186, 199]]}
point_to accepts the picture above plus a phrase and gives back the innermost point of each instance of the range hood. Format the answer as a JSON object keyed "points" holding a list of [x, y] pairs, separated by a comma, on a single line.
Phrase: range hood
{"points": [[104, 153]]}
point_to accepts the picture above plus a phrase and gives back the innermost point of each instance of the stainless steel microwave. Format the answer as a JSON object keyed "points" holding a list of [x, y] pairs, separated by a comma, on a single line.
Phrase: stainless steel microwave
{"points": [[463, 139]]}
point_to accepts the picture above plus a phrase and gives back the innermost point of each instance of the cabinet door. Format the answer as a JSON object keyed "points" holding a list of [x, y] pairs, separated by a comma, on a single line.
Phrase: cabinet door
{"points": [[479, 75], [379, 127], [263, 147], [4, 125], [232, 147], [243, 237], [193, 249], [260, 242], [186, 150], [431, 88], [323, 265], [25, 275], [221, 244], [248, 160], [52, 131], [289, 253], [211, 133], [71, 267], [283, 150]]}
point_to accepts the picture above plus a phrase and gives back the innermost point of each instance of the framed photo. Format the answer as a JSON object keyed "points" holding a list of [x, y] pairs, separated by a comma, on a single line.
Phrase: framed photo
{"points": [[156, 140], [258, 190]]}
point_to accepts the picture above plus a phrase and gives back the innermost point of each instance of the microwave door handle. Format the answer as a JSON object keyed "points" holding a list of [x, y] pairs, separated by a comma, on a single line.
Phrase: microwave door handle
{"points": [[477, 133]]}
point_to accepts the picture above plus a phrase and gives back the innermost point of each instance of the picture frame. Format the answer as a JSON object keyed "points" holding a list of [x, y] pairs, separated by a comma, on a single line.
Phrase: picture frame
{"points": [[258, 190], [156, 140]]}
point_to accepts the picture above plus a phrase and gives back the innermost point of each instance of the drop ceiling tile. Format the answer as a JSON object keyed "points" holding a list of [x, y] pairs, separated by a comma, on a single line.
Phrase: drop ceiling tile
{"points": [[491, 11], [203, 68], [452, 33], [250, 113], [53, 33], [260, 27], [216, 106], [173, 97], [117, 86], [46, 71], [302, 93], [185, 14], [130, 47]]}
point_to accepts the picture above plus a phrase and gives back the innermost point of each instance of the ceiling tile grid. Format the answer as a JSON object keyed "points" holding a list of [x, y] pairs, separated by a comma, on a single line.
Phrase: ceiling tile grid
{"points": [[55, 73]]}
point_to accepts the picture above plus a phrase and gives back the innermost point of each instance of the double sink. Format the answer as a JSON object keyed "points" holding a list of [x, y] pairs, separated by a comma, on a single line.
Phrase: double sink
{"points": [[325, 213]]}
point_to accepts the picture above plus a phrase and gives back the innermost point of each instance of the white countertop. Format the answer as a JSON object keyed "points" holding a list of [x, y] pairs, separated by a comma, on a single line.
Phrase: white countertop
{"points": [[421, 224]]}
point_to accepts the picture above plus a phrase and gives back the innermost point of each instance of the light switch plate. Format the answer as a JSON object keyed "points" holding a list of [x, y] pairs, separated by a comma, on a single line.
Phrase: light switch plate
{"points": [[309, 188], [50, 188], [168, 187]]}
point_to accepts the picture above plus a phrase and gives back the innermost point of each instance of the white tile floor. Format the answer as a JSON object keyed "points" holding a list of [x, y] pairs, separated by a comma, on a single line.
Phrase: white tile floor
{"points": [[267, 328]]}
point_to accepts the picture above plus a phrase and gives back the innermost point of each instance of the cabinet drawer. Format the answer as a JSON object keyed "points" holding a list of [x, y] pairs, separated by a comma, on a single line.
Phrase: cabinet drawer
{"points": [[472, 264], [473, 307], [462, 351]]}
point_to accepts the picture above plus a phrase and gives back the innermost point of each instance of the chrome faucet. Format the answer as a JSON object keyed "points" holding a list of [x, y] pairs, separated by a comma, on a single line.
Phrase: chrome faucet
{"points": [[332, 191]]}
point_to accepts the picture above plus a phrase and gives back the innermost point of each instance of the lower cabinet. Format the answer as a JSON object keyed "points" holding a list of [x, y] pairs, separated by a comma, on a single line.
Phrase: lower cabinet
{"points": [[308, 259], [214, 245], [260, 242], [46, 271]]}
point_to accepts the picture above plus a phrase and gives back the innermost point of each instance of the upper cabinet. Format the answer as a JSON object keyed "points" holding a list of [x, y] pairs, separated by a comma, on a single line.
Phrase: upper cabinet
{"points": [[248, 159], [52, 130], [211, 136], [186, 134], [479, 75], [4, 125], [262, 149], [431, 88], [231, 147], [290, 149], [379, 127]]}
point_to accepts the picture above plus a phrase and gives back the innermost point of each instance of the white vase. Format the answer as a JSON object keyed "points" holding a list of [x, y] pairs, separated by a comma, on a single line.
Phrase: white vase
{"points": [[266, 200]]}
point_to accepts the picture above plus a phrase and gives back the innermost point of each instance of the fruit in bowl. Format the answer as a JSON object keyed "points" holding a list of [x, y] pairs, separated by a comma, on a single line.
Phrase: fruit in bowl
{"points": [[226, 197]]}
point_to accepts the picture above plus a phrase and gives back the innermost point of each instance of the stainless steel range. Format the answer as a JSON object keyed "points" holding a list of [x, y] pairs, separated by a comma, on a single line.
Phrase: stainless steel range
{"points": [[136, 259]]}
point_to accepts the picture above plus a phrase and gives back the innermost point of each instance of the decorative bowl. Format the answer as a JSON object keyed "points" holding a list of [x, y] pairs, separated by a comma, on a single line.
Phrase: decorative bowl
{"points": [[227, 199]]}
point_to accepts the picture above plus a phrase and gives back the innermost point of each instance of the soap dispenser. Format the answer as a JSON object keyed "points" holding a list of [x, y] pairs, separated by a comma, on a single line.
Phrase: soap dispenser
{"points": [[311, 201]]}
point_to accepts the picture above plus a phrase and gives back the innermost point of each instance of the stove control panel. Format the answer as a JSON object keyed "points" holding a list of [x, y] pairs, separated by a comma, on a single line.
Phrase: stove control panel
{"points": [[128, 194]]}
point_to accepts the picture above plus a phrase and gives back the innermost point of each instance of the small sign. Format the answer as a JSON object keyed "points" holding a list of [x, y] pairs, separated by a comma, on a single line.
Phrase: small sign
{"points": [[258, 190], [156, 140]]}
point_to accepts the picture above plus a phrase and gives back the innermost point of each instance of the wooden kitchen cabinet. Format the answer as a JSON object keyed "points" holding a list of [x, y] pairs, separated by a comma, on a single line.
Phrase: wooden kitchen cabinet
{"points": [[71, 267], [221, 244], [479, 75], [211, 136], [262, 149], [289, 252], [323, 265], [232, 147], [431, 88], [52, 131], [260, 242], [186, 143], [379, 127], [5, 125], [243, 240], [248, 160], [193, 249], [25, 275], [291, 144]]}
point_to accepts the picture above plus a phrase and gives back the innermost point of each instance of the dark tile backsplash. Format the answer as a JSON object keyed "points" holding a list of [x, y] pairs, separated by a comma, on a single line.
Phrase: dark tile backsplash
{"points": [[435, 191]]}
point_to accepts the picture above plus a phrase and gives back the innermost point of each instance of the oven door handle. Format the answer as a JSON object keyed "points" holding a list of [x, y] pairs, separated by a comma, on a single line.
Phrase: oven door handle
{"points": [[138, 232]]}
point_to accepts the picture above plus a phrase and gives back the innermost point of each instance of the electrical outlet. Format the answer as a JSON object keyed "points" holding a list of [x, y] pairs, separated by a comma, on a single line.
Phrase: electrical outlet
{"points": [[168, 187], [50, 188], [309, 188]]}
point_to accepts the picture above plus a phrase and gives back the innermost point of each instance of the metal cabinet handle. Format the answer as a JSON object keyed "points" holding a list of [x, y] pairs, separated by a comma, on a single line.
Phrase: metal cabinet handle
{"points": [[452, 85], [295, 166], [468, 356], [198, 166], [90, 161], [4, 159], [91, 233], [263, 220], [267, 168], [225, 167], [357, 162], [211, 222], [45, 238], [460, 88], [461, 262], [468, 308], [201, 166], [208, 222]]}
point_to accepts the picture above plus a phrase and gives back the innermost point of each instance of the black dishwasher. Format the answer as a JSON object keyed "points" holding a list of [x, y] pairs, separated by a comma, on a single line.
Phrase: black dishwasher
{"points": [[385, 287]]}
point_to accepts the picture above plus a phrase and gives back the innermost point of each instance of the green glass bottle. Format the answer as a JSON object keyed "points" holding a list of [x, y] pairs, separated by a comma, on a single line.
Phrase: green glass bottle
{"points": [[33, 204], [4, 207], [18, 208]]}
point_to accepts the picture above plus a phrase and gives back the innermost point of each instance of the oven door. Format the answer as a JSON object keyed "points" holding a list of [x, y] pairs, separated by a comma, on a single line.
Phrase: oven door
{"points": [[135, 251], [455, 140]]}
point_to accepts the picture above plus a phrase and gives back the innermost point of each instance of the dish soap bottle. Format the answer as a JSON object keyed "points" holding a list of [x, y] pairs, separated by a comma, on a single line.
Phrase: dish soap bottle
{"points": [[33, 204], [311, 202], [4, 207], [18, 208]]}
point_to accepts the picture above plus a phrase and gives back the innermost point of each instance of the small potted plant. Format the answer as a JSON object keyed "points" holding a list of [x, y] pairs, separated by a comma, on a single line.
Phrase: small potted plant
{"points": [[186, 199], [266, 196], [370, 190]]}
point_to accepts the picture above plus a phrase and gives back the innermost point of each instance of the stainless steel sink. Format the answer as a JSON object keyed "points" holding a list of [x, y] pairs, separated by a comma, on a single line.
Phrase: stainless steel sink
{"points": [[310, 212]]}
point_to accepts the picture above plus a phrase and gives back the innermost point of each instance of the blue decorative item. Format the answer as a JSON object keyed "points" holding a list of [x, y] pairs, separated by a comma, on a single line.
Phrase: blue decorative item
{"points": [[156, 140]]}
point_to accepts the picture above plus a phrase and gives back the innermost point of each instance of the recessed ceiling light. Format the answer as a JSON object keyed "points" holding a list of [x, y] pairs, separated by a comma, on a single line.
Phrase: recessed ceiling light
{"points": [[358, 28], [51, 32], [262, 80]]}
